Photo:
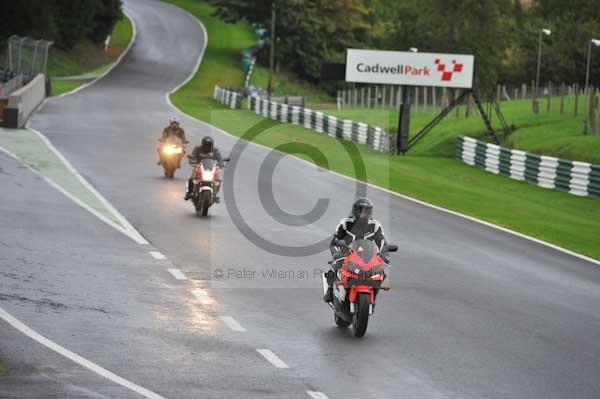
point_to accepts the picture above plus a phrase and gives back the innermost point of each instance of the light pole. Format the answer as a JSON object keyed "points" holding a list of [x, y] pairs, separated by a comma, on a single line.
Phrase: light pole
{"points": [[272, 51], [596, 43], [546, 32]]}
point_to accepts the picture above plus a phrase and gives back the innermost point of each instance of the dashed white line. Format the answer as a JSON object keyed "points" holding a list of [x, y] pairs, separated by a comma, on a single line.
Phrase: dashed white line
{"points": [[75, 357], [158, 255], [316, 395], [272, 358], [232, 324], [178, 274]]}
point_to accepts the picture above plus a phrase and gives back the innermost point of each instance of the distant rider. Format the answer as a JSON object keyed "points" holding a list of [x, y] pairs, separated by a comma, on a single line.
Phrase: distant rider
{"points": [[172, 130], [205, 150], [359, 226]]}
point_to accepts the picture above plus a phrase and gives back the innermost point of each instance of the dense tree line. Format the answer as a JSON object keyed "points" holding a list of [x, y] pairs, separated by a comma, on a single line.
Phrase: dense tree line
{"points": [[66, 22], [502, 34]]}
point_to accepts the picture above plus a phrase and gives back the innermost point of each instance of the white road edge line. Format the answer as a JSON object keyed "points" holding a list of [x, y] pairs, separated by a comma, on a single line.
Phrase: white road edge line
{"points": [[158, 255], [4, 315], [66, 193], [439, 208], [272, 358], [127, 228], [232, 324], [178, 274], [316, 395]]}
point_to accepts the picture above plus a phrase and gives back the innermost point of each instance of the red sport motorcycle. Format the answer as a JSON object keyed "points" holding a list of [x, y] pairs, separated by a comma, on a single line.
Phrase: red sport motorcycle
{"points": [[358, 282], [206, 183]]}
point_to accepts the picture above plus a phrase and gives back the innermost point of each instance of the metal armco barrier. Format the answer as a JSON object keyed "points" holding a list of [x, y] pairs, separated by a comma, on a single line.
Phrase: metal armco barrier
{"points": [[373, 136], [577, 178], [227, 97]]}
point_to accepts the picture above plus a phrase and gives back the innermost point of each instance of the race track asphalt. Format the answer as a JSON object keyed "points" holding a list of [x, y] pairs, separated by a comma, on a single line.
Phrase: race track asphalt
{"points": [[474, 312]]}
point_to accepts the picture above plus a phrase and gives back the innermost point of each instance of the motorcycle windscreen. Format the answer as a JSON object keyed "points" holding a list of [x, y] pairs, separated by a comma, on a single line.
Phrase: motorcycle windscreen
{"points": [[174, 140], [366, 249], [208, 163]]}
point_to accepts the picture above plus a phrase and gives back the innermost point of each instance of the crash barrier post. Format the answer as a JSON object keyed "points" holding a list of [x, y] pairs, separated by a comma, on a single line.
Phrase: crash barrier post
{"points": [[250, 71], [577, 178], [374, 136], [22, 102], [230, 98]]}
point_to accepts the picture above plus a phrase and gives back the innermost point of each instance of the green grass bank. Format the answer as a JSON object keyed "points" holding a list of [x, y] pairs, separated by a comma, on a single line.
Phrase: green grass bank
{"points": [[87, 60], [428, 173]]}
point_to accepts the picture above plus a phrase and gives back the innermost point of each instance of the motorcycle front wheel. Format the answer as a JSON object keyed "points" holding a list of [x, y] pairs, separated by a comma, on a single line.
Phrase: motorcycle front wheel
{"points": [[360, 319], [204, 202], [169, 173]]}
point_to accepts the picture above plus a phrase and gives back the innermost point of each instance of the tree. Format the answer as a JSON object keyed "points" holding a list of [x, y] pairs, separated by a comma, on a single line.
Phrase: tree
{"points": [[66, 22], [108, 12], [314, 31], [308, 31]]}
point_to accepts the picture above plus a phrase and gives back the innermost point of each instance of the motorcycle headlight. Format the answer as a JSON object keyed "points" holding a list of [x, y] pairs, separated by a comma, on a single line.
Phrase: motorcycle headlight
{"points": [[172, 149]]}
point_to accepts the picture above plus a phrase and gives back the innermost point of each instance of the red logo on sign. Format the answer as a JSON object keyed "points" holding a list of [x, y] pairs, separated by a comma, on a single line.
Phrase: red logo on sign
{"points": [[447, 74]]}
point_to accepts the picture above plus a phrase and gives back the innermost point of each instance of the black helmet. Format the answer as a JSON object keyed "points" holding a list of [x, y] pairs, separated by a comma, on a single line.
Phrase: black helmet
{"points": [[207, 144], [362, 208]]}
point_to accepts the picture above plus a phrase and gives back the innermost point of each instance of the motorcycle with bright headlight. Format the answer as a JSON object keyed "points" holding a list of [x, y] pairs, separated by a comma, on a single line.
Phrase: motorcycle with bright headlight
{"points": [[171, 152], [359, 280]]}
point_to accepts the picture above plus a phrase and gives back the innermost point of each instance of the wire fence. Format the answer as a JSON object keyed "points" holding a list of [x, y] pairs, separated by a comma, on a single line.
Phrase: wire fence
{"points": [[390, 96], [26, 56]]}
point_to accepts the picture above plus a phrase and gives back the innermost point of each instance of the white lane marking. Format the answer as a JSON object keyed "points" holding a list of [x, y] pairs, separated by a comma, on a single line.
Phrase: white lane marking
{"points": [[439, 208], [76, 358], [158, 255], [127, 229], [66, 193], [178, 274], [272, 358], [232, 324], [316, 395], [75, 90], [202, 296]]}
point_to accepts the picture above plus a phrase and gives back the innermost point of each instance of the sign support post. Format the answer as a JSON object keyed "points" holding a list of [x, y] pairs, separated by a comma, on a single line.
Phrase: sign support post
{"points": [[404, 120]]}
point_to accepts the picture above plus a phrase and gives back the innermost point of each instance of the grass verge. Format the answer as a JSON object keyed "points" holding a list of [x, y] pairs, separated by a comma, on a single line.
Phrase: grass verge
{"points": [[86, 59], [63, 86], [548, 133], [428, 174]]}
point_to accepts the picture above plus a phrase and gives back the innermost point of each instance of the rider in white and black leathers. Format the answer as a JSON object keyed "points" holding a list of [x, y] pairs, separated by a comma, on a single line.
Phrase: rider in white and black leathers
{"points": [[359, 226], [206, 149]]}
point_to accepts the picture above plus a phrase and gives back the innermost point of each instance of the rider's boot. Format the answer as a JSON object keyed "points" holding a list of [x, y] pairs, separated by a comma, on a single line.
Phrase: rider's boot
{"points": [[188, 191], [330, 276]]}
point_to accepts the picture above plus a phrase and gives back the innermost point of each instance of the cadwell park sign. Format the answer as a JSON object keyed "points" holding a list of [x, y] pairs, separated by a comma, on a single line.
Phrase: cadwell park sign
{"points": [[408, 68]]}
